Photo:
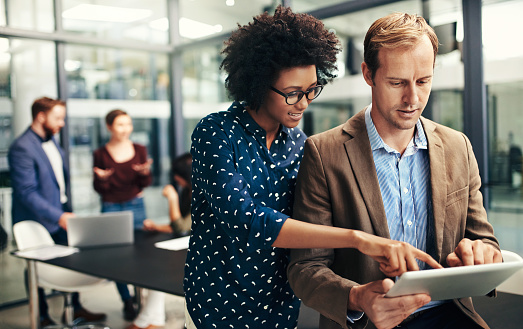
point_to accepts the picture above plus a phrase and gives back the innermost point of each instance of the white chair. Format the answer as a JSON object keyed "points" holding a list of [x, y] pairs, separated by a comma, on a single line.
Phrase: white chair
{"points": [[30, 234], [514, 284]]}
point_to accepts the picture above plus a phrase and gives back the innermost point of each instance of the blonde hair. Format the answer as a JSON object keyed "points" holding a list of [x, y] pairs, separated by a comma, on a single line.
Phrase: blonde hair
{"points": [[396, 30]]}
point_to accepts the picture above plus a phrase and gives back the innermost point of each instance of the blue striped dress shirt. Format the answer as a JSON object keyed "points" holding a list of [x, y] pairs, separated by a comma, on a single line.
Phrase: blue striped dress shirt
{"points": [[405, 185], [405, 189]]}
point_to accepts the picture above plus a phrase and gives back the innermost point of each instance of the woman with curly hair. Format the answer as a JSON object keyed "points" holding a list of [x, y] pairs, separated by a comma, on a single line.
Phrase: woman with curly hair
{"points": [[245, 163]]}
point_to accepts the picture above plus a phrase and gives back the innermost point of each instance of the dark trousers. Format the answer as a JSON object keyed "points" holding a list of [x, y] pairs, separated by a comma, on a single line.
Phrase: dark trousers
{"points": [[59, 237], [446, 316]]}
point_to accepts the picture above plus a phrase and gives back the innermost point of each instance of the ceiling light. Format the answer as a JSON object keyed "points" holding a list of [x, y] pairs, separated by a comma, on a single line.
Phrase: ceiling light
{"points": [[193, 29], [161, 24], [106, 13], [229, 3]]}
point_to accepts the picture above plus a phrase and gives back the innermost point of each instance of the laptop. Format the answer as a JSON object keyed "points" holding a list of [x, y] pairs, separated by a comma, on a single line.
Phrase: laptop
{"points": [[112, 228]]}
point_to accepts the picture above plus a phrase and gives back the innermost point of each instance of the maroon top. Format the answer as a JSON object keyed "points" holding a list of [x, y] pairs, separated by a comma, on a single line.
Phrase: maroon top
{"points": [[125, 183]]}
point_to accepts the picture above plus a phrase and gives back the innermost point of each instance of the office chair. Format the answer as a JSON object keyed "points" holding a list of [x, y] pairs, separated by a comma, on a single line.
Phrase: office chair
{"points": [[514, 284], [30, 234]]}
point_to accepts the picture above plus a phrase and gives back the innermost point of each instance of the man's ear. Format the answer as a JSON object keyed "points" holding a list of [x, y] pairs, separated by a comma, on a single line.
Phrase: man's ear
{"points": [[40, 117], [367, 74]]}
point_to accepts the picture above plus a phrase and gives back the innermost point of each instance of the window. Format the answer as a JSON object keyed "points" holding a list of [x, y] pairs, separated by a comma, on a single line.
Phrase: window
{"points": [[30, 15]]}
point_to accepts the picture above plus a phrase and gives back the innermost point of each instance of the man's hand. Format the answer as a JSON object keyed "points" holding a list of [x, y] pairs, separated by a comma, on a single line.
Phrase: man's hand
{"points": [[395, 257], [103, 174], [384, 312], [62, 221], [473, 252], [143, 168]]}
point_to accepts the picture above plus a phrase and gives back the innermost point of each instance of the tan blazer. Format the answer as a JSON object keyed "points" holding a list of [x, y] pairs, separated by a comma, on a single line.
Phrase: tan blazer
{"points": [[338, 186]]}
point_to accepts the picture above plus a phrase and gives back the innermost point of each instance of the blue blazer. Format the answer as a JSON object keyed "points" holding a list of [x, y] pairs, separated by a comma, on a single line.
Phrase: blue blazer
{"points": [[36, 194]]}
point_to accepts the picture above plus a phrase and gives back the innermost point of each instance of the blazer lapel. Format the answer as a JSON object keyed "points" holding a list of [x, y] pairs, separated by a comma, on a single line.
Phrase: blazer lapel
{"points": [[42, 156], [438, 177], [360, 157]]}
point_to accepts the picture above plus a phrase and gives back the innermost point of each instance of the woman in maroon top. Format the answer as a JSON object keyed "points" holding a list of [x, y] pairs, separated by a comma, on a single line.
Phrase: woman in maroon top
{"points": [[121, 172]]}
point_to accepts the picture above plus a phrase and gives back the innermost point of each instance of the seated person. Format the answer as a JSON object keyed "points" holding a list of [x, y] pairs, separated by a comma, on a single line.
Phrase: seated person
{"points": [[179, 206]]}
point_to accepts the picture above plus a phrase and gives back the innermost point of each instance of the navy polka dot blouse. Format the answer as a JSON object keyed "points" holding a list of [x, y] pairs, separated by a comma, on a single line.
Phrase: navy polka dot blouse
{"points": [[242, 195]]}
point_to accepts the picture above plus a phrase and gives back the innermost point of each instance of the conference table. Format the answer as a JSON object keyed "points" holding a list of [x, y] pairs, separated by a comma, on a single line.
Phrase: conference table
{"points": [[140, 264], [146, 266]]}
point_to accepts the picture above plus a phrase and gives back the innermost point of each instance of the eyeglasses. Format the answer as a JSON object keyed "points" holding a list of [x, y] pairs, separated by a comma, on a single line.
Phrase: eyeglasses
{"points": [[295, 96]]}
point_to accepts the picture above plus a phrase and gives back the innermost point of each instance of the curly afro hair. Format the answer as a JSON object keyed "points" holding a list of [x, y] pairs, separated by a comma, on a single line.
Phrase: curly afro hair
{"points": [[256, 53]]}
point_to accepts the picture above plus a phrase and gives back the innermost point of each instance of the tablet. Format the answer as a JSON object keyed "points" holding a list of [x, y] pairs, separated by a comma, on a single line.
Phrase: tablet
{"points": [[455, 282]]}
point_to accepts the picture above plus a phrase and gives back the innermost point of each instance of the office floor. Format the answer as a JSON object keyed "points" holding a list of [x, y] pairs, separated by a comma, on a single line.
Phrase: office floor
{"points": [[104, 298]]}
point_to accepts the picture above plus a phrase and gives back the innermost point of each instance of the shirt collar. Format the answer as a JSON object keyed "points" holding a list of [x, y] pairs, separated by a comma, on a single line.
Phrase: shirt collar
{"points": [[42, 140], [239, 110], [376, 142]]}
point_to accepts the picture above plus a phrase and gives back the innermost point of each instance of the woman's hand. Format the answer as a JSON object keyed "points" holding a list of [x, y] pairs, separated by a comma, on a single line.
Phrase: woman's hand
{"points": [[149, 225], [103, 174], [395, 257], [143, 168]]}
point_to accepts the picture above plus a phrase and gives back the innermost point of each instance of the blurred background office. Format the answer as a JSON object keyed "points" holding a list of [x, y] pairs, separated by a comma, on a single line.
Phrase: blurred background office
{"points": [[159, 60]]}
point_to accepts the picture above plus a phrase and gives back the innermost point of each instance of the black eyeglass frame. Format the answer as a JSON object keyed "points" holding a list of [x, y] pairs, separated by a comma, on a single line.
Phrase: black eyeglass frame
{"points": [[299, 93]]}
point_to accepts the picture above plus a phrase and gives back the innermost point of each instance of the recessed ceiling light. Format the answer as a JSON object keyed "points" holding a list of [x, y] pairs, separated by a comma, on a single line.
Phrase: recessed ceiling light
{"points": [[106, 13], [161, 24], [193, 29]]}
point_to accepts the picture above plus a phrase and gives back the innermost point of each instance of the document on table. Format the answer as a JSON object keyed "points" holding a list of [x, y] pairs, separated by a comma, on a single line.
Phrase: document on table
{"points": [[46, 252], [174, 244]]}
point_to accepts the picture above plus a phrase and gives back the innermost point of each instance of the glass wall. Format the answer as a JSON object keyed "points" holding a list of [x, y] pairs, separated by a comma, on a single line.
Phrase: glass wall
{"points": [[31, 15], [100, 80], [27, 71], [504, 79], [203, 86], [2, 14]]}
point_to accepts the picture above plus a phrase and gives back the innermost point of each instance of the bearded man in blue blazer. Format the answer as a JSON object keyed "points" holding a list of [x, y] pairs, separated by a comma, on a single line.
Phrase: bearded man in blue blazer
{"points": [[40, 183]]}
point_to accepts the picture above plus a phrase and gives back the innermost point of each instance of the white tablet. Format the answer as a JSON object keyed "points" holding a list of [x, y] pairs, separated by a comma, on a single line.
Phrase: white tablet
{"points": [[454, 282]]}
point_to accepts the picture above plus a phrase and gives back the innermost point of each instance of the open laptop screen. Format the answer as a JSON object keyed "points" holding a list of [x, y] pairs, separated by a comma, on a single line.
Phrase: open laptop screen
{"points": [[104, 229]]}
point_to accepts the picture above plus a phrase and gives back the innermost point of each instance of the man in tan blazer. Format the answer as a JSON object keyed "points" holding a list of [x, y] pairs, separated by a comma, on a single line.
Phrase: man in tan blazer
{"points": [[368, 173]]}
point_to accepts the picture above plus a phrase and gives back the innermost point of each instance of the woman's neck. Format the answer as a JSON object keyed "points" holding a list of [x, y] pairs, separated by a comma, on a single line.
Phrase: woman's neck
{"points": [[120, 150], [271, 127], [117, 143]]}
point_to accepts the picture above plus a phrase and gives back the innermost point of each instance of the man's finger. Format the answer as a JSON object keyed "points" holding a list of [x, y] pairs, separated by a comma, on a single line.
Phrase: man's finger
{"points": [[412, 264], [453, 260], [426, 258], [479, 253]]}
